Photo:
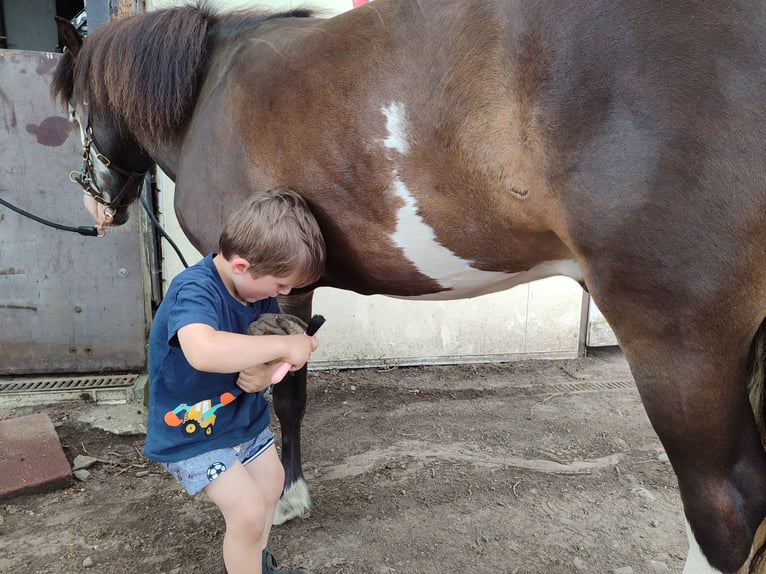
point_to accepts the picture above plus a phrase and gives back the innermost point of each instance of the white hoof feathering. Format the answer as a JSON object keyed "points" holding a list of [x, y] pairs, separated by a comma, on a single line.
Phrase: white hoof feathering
{"points": [[696, 563], [295, 503]]}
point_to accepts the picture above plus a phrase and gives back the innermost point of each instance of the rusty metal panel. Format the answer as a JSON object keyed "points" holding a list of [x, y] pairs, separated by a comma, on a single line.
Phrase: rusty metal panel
{"points": [[68, 303]]}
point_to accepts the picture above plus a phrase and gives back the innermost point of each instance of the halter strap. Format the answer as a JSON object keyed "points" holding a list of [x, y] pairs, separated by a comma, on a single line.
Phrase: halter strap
{"points": [[86, 176]]}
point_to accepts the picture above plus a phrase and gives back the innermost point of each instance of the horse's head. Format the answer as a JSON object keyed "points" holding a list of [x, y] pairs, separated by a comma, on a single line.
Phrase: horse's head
{"points": [[114, 163]]}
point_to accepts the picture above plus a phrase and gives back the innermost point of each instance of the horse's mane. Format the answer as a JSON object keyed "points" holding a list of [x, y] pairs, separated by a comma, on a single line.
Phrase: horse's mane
{"points": [[143, 72]]}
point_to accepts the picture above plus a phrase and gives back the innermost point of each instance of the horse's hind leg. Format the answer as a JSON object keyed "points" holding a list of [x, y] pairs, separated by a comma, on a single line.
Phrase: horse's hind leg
{"points": [[289, 399], [691, 369]]}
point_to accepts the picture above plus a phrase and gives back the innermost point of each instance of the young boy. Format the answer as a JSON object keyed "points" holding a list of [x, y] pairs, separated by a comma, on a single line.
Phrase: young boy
{"points": [[205, 431]]}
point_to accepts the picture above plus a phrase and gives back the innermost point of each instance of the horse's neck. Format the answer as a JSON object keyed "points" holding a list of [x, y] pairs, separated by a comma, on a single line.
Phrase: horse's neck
{"points": [[166, 159]]}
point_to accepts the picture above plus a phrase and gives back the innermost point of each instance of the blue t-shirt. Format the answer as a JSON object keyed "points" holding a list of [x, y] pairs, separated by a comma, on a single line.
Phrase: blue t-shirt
{"points": [[190, 411]]}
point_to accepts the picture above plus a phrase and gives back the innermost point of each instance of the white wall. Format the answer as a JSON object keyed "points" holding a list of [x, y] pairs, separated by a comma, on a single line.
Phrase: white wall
{"points": [[599, 333], [541, 319], [328, 6]]}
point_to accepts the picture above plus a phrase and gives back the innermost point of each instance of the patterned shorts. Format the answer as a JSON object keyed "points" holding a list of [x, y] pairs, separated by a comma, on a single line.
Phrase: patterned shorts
{"points": [[197, 472]]}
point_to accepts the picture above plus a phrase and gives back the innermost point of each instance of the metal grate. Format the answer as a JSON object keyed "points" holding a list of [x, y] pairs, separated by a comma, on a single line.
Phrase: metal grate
{"points": [[588, 386], [74, 383]]}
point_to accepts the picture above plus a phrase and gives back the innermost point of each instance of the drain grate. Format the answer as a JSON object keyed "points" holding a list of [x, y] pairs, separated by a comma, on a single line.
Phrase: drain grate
{"points": [[74, 383], [589, 386]]}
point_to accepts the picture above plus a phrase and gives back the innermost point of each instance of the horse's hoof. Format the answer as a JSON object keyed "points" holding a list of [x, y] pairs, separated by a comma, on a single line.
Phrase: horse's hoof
{"points": [[295, 503]]}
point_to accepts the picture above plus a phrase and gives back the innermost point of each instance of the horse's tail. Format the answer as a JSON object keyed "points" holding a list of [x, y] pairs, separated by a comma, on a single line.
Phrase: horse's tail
{"points": [[756, 387]]}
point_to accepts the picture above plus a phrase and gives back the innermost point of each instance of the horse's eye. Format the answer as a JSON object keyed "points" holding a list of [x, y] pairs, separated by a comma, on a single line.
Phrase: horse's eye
{"points": [[72, 114]]}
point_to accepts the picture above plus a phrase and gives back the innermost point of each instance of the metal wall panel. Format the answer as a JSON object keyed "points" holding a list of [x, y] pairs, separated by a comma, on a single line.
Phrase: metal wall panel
{"points": [[68, 303]]}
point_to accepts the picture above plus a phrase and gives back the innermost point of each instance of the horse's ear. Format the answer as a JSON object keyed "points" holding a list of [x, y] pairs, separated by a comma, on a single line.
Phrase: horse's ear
{"points": [[69, 36]]}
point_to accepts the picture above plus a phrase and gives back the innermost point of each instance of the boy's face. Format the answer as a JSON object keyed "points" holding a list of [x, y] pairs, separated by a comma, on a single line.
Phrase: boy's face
{"points": [[250, 288]]}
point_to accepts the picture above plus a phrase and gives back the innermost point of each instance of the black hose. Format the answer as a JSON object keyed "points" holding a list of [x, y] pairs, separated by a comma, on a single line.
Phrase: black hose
{"points": [[93, 231], [82, 229]]}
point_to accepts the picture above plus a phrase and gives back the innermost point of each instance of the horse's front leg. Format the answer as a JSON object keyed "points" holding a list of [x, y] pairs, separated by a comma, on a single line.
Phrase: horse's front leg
{"points": [[289, 399]]}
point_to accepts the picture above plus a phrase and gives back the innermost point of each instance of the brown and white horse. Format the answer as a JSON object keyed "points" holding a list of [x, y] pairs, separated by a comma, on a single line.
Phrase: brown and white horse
{"points": [[450, 148]]}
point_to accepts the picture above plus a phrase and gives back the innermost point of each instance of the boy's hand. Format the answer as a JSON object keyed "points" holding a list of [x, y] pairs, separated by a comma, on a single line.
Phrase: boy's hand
{"points": [[258, 378], [300, 348]]}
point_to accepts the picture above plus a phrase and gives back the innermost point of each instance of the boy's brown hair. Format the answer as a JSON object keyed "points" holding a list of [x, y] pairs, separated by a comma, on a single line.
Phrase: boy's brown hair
{"points": [[276, 233]]}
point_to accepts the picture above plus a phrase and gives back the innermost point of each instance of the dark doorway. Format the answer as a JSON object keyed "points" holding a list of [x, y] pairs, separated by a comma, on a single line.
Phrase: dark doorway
{"points": [[29, 24]]}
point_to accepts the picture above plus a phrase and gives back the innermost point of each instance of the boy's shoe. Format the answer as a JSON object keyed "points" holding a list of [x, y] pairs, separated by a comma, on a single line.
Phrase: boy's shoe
{"points": [[269, 565]]}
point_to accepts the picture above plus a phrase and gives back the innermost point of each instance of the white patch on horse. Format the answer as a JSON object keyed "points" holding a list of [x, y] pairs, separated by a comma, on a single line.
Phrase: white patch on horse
{"points": [[696, 563], [481, 282], [101, 171], [396, 122], [419, 243]]}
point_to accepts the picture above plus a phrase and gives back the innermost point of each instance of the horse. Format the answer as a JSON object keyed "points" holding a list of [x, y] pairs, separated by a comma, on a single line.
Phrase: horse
{"points": [[451, 148]]}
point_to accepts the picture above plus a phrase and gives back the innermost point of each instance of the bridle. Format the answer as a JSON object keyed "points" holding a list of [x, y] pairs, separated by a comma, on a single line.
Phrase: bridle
{"points": [[86, 177]]}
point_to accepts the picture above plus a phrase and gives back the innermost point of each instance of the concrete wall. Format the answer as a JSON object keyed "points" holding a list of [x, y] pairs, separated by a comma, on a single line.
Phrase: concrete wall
{"points": [[541, 319]]}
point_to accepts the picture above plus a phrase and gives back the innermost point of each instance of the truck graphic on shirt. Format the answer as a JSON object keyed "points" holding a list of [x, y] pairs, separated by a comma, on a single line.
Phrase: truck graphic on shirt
{"points": [[199, 416]]}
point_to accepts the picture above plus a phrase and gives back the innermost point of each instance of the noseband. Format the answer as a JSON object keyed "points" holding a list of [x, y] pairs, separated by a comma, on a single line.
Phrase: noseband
{"points": [[86, 177]]}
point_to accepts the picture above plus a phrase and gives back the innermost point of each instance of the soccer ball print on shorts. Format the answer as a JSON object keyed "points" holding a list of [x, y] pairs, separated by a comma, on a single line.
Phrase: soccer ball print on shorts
{"points": [[215, 470]]}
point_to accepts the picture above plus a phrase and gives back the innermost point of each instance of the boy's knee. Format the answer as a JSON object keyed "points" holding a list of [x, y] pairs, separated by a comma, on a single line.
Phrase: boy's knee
{"points": [[276, 485], [274, 479], [249, 520]]}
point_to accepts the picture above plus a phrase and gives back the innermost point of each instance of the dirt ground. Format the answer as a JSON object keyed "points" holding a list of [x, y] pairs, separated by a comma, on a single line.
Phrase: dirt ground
{"points": [[529, 467]]}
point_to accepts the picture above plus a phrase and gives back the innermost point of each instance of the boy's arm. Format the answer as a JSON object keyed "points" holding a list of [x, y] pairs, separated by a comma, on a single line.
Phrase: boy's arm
{"points": [[220, 352]]}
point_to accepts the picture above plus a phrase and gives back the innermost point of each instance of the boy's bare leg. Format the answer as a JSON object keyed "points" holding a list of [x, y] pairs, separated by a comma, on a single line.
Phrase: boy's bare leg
{"points": [[245, 497], [269, 476]]}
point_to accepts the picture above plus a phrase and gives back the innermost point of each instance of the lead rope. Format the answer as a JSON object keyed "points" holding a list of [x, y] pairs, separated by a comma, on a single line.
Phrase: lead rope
{"points": [[161, 230], [82, 229], [94, 231]]}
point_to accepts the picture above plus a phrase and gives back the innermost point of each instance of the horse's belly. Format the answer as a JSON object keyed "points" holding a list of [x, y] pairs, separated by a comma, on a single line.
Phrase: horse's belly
{"points": [[463, 281]]}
